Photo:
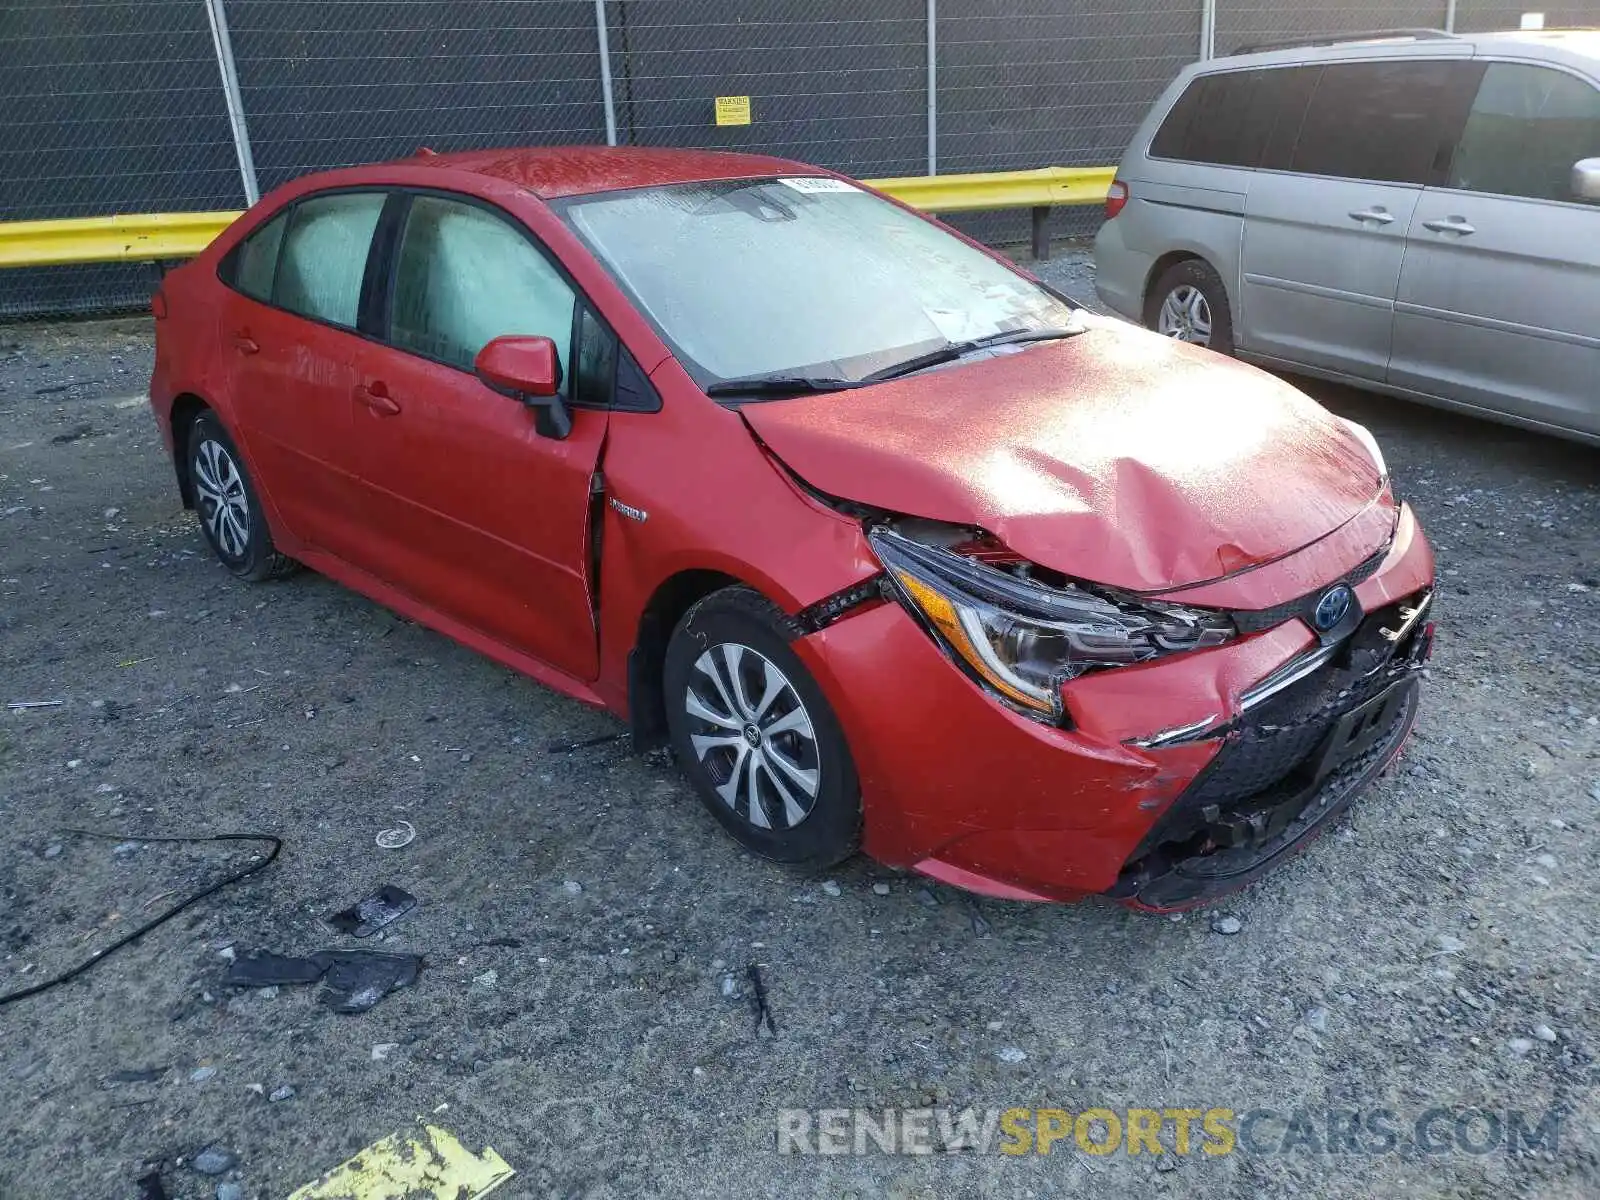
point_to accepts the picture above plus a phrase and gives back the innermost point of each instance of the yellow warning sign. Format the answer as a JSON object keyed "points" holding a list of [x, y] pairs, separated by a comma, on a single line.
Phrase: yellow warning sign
{"points": [[733, 110]]}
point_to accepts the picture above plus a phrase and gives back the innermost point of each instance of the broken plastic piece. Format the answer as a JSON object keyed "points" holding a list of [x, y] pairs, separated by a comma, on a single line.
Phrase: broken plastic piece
{"points": [[366, 916], [354, 980], [262, 968], [358, 979], [585, 744]]}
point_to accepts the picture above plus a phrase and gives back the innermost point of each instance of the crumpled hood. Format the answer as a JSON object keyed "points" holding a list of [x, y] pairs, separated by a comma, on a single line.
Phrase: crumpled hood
{"points": [[1115, 456]]}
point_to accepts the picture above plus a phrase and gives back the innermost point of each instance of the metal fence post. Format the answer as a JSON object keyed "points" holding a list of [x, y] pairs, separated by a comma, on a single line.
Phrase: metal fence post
{"points": [[230, 94], [1208, 30], [1450, 16], [933, 87], [605, 71]]}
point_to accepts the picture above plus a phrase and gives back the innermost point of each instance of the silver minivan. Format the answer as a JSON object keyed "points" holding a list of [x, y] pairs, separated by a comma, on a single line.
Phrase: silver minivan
{"points": [[1418, 214]]}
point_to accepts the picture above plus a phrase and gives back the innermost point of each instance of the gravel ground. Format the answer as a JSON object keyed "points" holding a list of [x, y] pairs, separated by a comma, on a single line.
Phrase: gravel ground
{"points": [[585, 1006]]}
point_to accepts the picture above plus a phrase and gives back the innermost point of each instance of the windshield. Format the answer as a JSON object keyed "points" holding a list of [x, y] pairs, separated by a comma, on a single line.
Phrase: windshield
{"points": [[802, 276]]}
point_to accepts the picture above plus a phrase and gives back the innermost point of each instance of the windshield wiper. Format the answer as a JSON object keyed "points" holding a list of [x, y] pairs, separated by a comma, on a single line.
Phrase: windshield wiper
{"points": [[779, 385], [952, 351]]}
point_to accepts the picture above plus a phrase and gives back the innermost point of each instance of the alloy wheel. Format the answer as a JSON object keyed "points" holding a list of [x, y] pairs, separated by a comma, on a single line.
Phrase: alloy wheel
{"points": [[753, 736], [220, 496], [1185, 315]]}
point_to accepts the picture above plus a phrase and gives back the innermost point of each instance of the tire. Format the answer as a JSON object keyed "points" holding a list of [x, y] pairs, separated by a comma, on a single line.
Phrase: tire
{"points": [[768, 744], [230, 512], [1197, 300]]}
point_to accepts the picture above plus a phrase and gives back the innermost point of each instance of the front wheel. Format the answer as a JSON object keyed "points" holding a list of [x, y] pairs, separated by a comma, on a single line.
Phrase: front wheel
{"points": [[755, 735], [1190, 304]]}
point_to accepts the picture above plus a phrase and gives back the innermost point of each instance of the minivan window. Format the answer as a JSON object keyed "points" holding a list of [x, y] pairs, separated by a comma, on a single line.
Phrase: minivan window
{"points": [[1527, 128], [256, 259], [1234, 118], [465, 276], [1390, 122], [324, 256]]}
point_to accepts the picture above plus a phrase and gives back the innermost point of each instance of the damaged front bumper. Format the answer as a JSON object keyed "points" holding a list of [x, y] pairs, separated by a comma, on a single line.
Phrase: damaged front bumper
{"points": [[1307, 741], [1176, 781]]}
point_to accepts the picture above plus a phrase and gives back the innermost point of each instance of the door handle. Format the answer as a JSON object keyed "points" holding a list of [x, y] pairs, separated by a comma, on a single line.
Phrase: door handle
{"points": [[1450, 225], [244, 343], [1378, 215], [375, 395]]}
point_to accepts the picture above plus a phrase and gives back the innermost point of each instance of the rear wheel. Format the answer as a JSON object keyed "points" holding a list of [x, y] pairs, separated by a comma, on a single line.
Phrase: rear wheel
{"points": [[755, 735], [1189, 303], [231, 517]]}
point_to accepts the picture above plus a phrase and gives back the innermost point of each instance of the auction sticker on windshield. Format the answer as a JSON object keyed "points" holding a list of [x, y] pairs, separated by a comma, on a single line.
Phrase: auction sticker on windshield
{"points": [[812, 183]]}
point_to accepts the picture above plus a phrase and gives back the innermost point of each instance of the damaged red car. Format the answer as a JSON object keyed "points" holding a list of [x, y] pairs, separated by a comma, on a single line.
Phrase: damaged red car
{"points": [[895, 547]]}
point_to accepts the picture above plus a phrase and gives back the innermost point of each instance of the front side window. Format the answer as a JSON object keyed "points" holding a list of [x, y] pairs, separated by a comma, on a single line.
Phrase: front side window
{"points": [[762, 277], [324, 256], [1528, 127], [1391, 122], [464, 277]]}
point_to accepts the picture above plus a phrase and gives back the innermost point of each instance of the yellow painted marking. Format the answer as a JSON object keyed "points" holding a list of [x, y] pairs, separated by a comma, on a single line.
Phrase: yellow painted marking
{"points": [[733, 110], [407, 1168]]}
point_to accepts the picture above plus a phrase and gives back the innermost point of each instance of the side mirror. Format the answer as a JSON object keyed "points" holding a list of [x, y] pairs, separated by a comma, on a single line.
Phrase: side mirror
{"points": [[1586, 179], [529, 369]]}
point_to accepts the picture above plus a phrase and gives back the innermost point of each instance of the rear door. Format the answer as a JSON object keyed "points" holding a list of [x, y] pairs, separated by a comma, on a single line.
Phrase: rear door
{"points": [[472, 511], [1326, 218], [1499, 302], [290, 331]]}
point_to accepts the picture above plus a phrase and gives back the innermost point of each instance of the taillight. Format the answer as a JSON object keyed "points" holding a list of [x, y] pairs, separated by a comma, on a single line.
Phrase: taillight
{"points": [[158, 304], [1116, 198]]}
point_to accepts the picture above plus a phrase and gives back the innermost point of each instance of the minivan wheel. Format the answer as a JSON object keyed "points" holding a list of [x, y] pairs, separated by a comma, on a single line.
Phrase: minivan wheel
{"points": [[1190, 304], [231, 518], [755, 735]]}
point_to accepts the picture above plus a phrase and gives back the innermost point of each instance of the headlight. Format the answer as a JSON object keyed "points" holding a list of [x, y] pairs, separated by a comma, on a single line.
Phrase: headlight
{"points": [[1023, 639]]}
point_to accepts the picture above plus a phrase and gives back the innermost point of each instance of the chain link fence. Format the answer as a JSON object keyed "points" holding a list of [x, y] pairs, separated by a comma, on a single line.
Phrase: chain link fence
{"points": [[118, 106]]}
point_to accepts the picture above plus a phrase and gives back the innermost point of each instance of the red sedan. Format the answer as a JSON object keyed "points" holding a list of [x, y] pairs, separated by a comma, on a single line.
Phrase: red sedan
{"points": [[896, 547]]}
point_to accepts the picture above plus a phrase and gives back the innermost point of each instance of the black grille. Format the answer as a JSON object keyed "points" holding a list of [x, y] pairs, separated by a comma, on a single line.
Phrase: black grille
{"points": [[1256, 619]]}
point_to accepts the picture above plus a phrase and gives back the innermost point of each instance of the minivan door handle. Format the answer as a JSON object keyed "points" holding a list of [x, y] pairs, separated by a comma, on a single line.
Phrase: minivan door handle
{"points": [[1450, 225], [1378, 215]]}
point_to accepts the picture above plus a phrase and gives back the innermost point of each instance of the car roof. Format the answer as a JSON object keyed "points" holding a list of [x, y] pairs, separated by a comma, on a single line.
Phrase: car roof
{"points": [[554, 171], [1555, 44]]}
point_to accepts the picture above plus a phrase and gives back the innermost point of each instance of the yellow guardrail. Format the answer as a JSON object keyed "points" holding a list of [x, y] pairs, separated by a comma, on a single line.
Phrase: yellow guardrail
{"points": [[1047, 187], [153, 237], [146, 237]]}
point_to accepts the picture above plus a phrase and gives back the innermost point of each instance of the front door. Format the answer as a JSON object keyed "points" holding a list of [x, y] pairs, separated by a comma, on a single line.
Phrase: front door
{"points": [[1325, 232], [288, 329], [470, 509], [1499, 302]]}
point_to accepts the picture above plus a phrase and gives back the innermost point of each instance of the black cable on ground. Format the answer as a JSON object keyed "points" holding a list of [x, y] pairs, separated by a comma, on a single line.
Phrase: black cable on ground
{"points": [[129, 938]]}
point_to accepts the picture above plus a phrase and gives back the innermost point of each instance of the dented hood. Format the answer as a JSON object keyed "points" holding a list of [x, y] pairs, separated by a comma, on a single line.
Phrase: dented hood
{"points": [[1114, 456]]}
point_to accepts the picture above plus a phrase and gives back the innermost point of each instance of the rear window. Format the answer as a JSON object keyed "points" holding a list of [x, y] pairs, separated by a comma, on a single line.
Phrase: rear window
{"points": [[1390, 122], [1238, 118]]}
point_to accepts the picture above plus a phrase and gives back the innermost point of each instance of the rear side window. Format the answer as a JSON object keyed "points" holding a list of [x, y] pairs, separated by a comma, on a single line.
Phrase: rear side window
{"points": [[1528, 127], [324, 256], [1234, 119], [464, 277], [1393, 122], [257, 258]]}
